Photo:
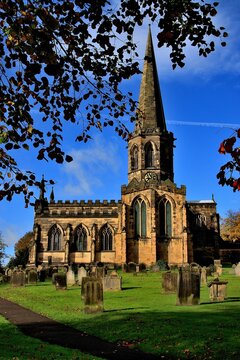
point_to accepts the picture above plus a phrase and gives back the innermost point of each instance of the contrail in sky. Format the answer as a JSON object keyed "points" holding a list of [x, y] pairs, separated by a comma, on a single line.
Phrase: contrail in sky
{"points": [[193, 123]]}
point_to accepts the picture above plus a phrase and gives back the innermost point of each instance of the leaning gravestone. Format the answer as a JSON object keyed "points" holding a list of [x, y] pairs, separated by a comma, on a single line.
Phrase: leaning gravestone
{"points": [[18, 278], [60, 281], [92, 295], [70, 277], [82, 273], [32, 276], [169, 282], [112, 282], [188, 289]]}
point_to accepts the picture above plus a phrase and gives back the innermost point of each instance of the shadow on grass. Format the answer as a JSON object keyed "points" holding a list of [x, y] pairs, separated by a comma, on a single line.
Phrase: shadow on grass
{"points": [[126, 309], [131, 287], [228, 300]]}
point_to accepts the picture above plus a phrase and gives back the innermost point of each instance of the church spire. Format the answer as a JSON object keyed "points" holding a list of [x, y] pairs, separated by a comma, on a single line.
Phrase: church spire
{"points": [[150, 100]]}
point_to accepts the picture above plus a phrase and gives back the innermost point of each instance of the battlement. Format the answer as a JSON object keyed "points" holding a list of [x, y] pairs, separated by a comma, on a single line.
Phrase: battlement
{"points": [[87, 202]]}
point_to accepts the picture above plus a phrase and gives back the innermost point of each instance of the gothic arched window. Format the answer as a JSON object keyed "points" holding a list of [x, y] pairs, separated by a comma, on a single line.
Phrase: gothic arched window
{"points": [[106, 238], [140, 218], [165, 218], [54, 238], [134, 158], [80, 238], [149, 155]]}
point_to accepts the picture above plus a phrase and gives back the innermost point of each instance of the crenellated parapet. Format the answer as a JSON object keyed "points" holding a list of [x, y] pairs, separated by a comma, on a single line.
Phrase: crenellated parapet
{"points": [[79, 208]]}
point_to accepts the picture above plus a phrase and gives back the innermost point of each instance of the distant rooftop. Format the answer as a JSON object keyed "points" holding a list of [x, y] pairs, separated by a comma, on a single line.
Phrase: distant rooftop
{"points": [[201, 201]]}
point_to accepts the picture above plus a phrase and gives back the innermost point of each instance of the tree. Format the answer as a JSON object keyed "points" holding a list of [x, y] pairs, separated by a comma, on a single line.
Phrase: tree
{"points": [[230, 227], [66, 61], [2, 250], [229, 173], [21, 250]]}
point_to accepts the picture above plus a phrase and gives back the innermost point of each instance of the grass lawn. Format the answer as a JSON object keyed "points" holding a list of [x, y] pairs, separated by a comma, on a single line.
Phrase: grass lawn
{"points": [[142, 315]]}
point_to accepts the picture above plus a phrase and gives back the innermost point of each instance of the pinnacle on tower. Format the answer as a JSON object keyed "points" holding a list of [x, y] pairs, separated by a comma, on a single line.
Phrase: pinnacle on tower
{"points": [[150, 100]]}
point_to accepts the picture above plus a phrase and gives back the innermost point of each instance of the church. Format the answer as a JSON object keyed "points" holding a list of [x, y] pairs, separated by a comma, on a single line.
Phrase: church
{"points": [[152, 221]]}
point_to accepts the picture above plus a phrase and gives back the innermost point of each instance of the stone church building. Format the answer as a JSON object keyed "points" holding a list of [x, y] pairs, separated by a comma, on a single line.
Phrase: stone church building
{"points": [[152, 221]]}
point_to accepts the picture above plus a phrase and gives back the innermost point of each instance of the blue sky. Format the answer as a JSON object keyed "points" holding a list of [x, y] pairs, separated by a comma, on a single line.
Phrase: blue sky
{"points": [[199, 100]]}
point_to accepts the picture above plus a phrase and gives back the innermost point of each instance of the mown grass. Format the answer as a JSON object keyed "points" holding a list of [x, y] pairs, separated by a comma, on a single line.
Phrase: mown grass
{"points": [[141, 315], [15, 346]]}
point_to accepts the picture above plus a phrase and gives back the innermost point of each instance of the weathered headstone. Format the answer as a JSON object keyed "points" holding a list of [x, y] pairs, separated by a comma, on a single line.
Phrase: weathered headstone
{"points": [[188, 289], [18, 278], [42, 274], [169, 282], [204, 275], [82, 273], [155, 268], [237, 270], [124, 268], [142, 267], [70, 277], [112, 282], [100, 271], [132, 267], [32, 276], [217, 290], [60, 281], [232, 270], [92, 295]]}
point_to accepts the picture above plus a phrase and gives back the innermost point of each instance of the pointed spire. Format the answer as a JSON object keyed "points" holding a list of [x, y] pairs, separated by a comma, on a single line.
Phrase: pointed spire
{"points": [[150, 100], [52, 197]]}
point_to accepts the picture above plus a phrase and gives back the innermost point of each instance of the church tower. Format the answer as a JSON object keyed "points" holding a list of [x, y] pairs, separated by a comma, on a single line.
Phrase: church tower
{"points": [[151, 146], [153, 207]]}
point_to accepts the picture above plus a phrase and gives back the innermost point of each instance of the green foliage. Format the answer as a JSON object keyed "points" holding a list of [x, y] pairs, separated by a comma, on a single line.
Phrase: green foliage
{"points": [[67, 59], [2, 250], [142, 316], [21, 251], [162, 265]]}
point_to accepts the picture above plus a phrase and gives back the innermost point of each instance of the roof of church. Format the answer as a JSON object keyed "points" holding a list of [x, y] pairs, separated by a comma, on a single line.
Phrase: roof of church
{"points": [[150, 100]]}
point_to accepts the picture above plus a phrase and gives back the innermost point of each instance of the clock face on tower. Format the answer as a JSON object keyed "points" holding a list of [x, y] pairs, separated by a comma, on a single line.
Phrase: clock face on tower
{"points": [[150, 176]]}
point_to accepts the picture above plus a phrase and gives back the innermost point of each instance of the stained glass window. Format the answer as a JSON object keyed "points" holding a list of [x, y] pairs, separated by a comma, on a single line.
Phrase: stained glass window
{"points": [[80, 238], [140, 218], [165, 218], [54, 238], [106, 237]]}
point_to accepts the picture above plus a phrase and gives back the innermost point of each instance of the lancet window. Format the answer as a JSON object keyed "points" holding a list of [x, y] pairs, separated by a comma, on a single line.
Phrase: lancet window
{"points": [[106, 237], [54, 238], [140, 218], [165, 217]]}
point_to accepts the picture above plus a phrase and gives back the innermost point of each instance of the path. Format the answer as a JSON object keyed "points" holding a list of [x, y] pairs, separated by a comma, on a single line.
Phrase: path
{"points": [[53, 332]]}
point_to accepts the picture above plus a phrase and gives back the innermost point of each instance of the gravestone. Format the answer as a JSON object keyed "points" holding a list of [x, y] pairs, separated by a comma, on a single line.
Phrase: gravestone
{"points": [[32, 276], [60, 281], [169, 282], [100, 271], [18, 278], [112, 282], [142, 267], [92, 295], [82, 273], [237, 270], [204, 275], [155, 268], [217, 290], [124, 268], [70, 277], [188, 288], [42, 274], [232, 270], [132, 267]]}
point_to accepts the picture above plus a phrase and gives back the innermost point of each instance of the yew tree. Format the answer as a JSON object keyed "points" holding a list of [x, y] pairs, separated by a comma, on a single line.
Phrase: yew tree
{"points": [[64, 61]]}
